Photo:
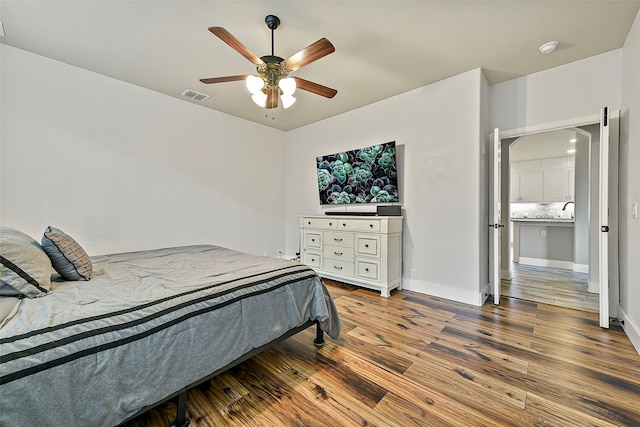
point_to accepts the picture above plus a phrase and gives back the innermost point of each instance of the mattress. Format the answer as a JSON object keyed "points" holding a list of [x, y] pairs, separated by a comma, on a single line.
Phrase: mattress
{"points": [[146, 325]]}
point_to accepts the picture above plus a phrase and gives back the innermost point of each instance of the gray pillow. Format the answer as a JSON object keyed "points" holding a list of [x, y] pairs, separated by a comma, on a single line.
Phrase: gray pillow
{"points": [[25, 269], [67, 256]]}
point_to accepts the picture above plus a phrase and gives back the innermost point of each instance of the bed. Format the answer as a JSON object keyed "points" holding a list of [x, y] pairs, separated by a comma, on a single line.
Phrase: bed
{"points": [[148, 326]]}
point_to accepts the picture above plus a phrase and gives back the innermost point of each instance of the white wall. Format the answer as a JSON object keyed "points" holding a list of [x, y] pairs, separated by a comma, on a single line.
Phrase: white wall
{"points": [[485, 164], [581, 206], [437, 128], [123, 168], [570, 91], [630, 185]]}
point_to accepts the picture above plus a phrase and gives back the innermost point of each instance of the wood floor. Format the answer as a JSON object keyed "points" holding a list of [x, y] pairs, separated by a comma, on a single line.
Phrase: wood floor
{"points": [[555, 286], [416, 360]]}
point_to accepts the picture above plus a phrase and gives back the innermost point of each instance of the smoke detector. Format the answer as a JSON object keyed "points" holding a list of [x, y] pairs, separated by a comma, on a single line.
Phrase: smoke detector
{"points": [[548, 47]]}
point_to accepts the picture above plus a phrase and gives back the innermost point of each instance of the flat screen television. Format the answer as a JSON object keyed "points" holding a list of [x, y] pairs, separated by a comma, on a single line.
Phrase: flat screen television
{"points": [[364, 175]]}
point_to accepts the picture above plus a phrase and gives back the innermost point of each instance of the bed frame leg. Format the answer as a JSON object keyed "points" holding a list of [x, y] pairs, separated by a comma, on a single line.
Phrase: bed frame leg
{"points": [[181, 413], [319, 341]]}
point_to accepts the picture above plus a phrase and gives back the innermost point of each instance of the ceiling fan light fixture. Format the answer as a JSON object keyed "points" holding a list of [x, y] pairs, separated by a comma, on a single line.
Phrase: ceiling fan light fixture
{"points": [[287, 100], [254, 84], [287, 85], [548, 47], [260, 99]]}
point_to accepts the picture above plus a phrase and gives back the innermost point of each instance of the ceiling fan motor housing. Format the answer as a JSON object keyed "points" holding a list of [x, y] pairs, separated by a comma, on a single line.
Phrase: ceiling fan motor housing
{"points": [[272, 71], [272, 21]]}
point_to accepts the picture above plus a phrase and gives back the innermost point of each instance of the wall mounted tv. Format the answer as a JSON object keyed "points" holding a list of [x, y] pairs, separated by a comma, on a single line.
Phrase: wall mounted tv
{"points": [[363, 175]]}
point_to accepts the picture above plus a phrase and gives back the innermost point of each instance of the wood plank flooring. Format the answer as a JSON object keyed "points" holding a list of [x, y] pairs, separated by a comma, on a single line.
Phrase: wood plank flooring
{"points": [[416, 360], [551, 286]]}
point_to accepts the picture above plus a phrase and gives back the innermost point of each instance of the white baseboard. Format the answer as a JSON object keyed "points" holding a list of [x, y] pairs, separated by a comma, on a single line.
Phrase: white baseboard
{"points": [[581, 268], [565, 265], [446, 291], [630, 328], [593, 287]]}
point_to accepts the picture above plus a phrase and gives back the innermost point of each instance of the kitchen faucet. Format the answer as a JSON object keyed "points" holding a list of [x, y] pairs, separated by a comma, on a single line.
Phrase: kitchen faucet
{"points": [[564, 208]]}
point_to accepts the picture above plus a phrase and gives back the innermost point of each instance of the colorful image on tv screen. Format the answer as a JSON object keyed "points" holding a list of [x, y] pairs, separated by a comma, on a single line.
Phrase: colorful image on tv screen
{"points": [[364, 175]]}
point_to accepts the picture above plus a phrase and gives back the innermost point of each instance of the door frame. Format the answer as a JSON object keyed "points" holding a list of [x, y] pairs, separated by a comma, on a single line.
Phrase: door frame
{"points": [[591, 119], [495, 217]]}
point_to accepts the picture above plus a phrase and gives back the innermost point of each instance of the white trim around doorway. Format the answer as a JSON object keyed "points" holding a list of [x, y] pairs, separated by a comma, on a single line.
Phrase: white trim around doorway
{"points": [[545, 127]]}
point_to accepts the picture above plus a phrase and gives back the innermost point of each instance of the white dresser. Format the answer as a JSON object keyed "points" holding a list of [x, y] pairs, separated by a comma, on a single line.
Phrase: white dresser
{"points": [[361, 250]]}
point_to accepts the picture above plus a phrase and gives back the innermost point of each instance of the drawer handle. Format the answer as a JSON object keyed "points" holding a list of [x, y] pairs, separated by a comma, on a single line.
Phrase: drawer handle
{"points": [[344, 225], [337, 267], [330, 224], [313, 259], [370, 225], [337, 253], [313, 240], [366, 246], [366, 269], [337, 240]]}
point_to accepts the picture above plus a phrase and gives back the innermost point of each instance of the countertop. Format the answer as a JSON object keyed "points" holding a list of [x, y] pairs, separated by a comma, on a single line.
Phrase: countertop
{"points": [[545, 220]]}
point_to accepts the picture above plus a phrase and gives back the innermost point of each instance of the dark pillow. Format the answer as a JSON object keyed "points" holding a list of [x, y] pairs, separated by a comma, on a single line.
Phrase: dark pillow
{"points": [[25, 269], [67, 256]]}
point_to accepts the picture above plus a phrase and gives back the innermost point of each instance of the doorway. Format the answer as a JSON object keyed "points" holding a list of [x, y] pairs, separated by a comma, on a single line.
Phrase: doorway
{"points": [[546, 181]]}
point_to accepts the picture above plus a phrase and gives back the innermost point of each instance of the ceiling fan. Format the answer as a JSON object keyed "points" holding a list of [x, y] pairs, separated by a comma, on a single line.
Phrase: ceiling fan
{"points": [[273, 71]]}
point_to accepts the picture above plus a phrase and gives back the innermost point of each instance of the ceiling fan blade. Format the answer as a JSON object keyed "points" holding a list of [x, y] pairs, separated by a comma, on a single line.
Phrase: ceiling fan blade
{"points": [[316, 88], [313, 52], [272, 98], [224, 79], [235, 44]]}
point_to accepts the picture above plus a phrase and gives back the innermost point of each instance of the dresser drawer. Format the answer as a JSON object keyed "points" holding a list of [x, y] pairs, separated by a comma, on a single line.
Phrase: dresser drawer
{"points": [[368, 270], [313, 260], [368, 245], [338, 239], [312, 239], [338, 252], [358, 225], [334, 266], [319, 223]]}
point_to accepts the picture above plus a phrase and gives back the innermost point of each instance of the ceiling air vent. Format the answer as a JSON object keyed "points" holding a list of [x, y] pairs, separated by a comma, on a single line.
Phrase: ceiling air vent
{"points": [[189, 93]]}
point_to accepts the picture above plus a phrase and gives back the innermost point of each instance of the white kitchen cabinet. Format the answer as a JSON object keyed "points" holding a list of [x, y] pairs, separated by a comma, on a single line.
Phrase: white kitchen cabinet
{"points": [[558, 185], [526, 186], [361, 250], [545, 180]]}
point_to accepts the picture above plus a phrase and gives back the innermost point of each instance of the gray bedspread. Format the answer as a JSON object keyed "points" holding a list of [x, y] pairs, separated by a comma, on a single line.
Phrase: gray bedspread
{"points": [[145, 326]]}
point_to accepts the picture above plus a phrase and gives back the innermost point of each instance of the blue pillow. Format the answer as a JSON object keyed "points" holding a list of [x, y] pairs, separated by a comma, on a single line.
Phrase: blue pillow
{"points": [[67, 256]]}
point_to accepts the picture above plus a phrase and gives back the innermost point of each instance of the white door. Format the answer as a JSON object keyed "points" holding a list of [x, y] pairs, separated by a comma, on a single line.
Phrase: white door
{"points": [[494, 218], [603, 218]]}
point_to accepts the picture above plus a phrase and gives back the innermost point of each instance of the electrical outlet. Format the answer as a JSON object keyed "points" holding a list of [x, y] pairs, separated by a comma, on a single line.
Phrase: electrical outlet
{"points": [[634, 211], [543, 233], [266, 253], [414, 273]]}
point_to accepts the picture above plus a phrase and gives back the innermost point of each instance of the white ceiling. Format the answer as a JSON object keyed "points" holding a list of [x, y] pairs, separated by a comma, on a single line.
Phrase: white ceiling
{"points": [[545, 145], [383, 48]]}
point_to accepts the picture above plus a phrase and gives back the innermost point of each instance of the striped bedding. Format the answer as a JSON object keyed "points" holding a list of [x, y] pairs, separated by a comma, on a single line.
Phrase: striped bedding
{"points": [[148, 324]]}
